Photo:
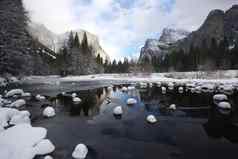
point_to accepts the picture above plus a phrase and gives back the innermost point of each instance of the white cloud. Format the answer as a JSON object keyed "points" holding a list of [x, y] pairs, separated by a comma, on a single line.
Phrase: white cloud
{"points": [[120, 27]]}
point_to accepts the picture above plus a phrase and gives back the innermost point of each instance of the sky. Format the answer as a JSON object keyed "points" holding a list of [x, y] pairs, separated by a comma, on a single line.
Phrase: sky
{"points": [[122, 25]]}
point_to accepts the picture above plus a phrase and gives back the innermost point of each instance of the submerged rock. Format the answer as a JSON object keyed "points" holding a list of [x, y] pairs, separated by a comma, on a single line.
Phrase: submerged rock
{"points": [[49, 112], [80, 151]]}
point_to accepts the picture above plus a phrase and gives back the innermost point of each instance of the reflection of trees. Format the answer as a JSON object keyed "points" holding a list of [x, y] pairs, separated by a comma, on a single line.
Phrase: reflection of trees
{"points": [[219, 126], [91, 100]]}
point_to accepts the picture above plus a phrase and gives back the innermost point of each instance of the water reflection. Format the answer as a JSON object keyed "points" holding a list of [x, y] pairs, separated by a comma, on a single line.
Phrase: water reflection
{"points": [[90, 105]]}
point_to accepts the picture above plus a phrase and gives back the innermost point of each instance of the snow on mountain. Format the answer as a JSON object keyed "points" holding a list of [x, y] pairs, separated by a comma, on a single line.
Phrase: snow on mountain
{"points": [[159, 47], [57, 41]]}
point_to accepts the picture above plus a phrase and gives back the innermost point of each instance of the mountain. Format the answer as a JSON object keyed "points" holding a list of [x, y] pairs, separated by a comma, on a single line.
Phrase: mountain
{"points": [[157, 48], [218, 26], [57, 41]]}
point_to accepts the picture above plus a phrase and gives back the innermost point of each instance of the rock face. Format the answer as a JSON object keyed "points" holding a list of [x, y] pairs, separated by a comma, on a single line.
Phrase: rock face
{"points": [[57, 41], [218, 25], [158, 48]]}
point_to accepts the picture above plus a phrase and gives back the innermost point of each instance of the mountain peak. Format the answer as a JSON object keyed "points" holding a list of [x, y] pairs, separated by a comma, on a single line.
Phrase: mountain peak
{"points": [[170, 35]]}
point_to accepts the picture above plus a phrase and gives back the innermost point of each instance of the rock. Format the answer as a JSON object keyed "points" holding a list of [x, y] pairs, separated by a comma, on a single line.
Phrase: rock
{"points": [[76, 100], [49, 112], [80, 151], [118, 110], [18, 103], [131, 101], [151, 119], [44, 147], [172, 107], [13, 92]]}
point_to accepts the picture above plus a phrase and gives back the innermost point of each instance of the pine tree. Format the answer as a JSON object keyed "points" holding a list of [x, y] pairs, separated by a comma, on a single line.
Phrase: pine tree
{"points": [[76, 41], [70, 44]]}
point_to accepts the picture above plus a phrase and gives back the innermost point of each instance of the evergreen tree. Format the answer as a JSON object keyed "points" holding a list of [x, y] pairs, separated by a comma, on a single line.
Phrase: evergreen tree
{"points": [[71, 40], [76, 41]]}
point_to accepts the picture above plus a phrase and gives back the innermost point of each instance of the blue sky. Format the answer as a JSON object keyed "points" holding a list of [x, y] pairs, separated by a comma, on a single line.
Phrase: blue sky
{"points": [[122, 25]]}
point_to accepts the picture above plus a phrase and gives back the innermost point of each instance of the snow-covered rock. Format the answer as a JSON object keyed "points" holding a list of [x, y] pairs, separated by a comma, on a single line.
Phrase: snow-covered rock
{"points": [[158, 84], [219, 98], [172, 107], [118, 110], [208, 88], [40, 97], [224, 108], [143, 85], [110, 88], [6, 114], [13, 92], [49, 112], [18, 103], [26, 94], [74, 95], [48, 157], [18, 142], [80, 151], [124, 89], [151, 119], [180, 90], [131, 88], [171, 86], [76, 100], [44, 147], [131, 101], [164, 90]]}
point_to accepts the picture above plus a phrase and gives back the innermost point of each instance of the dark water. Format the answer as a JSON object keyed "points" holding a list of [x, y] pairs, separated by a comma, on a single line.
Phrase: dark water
{"points": [[195, 130]]}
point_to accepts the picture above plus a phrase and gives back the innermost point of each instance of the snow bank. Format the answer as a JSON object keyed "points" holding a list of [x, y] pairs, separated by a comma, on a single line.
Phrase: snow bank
{"points": [[23, 117], [49, 112], [80, 151], [6, 114]]}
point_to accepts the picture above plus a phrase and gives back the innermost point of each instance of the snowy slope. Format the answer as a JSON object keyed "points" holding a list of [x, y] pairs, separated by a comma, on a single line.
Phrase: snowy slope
{"points": [[56, 41]]}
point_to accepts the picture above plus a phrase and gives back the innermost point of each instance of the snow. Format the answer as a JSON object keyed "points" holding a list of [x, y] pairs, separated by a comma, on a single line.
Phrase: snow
{"points": [[18, 103], [77, 100], [44, 147], [131, 101], [27, 94], [22, 117], [118, 110], [172, 107], [80, 151], [14, 92], [49, 112], [131, 88], [18, 142], [6, 114], [151, 119]]}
